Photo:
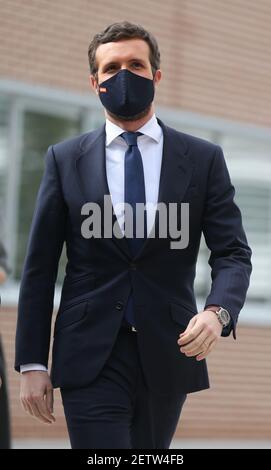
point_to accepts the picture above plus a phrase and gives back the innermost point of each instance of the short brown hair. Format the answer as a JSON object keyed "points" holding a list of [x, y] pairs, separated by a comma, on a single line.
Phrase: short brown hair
{"points": [[123, 30]]}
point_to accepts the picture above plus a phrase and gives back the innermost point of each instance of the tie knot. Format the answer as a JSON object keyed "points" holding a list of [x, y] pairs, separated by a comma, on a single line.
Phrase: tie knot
{"points": [[131, 137]]}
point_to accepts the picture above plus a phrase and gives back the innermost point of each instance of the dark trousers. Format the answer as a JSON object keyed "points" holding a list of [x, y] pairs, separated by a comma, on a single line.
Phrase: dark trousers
{"points": [[4, 408], [118, 411]]}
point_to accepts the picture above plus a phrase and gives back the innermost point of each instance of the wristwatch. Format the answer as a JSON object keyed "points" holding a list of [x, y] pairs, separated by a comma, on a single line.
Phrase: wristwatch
{"points": [[222, 314]]}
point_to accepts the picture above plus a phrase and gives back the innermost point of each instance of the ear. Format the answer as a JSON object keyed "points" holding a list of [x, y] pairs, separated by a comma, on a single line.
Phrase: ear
{"points": [[94, 83], [157, 77]]}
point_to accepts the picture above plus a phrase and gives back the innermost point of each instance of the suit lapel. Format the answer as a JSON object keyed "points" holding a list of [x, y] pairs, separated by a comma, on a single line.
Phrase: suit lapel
{"points": [[176, 171]]}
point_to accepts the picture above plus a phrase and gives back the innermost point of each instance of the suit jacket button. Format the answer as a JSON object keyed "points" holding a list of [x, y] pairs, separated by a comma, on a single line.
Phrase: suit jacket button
{"points": [[119, 305], [133, 266]]}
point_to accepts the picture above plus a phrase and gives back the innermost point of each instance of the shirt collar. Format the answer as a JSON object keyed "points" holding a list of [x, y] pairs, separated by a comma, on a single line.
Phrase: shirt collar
{"points": [[151, 129]]}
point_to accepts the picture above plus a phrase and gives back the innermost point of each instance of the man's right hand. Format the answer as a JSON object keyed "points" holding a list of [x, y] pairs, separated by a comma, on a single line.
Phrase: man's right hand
{"points": [[3, 276], [37, 396]]}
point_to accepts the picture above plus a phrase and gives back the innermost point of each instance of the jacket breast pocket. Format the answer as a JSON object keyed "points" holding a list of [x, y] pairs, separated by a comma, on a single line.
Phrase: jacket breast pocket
{"points": [[72, 314], [182, 313], [78, 286]]}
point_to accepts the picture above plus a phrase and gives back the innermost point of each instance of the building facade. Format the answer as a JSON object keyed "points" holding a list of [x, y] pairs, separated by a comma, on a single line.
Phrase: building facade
{"points": [[216, 85]]}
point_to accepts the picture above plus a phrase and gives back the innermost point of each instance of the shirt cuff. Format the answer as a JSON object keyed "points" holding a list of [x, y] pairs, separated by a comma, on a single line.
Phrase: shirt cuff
{"points": [[28, 367]]}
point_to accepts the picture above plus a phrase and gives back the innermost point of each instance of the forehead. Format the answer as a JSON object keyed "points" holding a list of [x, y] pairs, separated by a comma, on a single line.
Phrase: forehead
{"points": [[122, 51]]}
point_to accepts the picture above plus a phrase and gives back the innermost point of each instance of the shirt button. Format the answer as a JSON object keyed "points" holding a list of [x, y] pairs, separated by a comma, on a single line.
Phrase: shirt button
{"points": [[119, 305]]}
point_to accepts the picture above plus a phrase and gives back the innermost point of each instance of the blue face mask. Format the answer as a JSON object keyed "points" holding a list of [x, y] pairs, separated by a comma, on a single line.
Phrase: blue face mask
{"points": [[126, 94]]}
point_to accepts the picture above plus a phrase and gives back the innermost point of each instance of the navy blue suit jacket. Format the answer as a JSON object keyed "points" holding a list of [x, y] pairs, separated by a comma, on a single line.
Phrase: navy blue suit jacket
{"points": [[100, 272]]}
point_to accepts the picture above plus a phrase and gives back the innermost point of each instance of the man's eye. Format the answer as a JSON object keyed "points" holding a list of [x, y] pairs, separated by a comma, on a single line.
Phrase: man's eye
{"points": [[111, 68], [137, 65]]}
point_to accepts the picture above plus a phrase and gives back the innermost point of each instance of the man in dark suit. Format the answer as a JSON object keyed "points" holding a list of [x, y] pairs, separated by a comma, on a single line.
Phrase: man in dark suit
{"points": [[4, 406], [128, 341]]}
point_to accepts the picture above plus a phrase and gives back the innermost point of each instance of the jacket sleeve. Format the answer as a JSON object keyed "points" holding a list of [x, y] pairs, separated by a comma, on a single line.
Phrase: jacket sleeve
{"points": [[36, 298], [225, 237]]}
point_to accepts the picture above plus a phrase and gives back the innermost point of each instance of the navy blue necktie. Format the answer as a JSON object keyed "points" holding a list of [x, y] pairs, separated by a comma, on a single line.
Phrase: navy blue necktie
{"points": [[134, 192]]}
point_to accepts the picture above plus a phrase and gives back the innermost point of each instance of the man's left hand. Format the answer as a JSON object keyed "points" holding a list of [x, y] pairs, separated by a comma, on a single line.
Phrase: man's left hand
{"points": [[201, 335]]}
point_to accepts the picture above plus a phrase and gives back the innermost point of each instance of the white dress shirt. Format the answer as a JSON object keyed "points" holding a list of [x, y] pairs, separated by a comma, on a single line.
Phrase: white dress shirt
{"points": [[150, 145]]}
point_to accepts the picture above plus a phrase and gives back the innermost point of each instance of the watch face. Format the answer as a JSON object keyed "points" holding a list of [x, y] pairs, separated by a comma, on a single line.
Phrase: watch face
{"points": [[225, 316]]}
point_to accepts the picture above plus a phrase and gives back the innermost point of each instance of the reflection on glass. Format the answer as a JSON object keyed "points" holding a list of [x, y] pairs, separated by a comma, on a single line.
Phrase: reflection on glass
{"points": [[39, 131], [4, 116]]}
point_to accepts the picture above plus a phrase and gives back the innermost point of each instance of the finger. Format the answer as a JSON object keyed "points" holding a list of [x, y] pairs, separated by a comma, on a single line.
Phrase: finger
{"points": [[200, 338], [23, 405], [33, 410], [50, 400], [191, 334], [43, 411], [205, 336], [204, 354], [27, 407], [199, 350], [38, 414], [199, 344], [189, 326], [47, 406]]}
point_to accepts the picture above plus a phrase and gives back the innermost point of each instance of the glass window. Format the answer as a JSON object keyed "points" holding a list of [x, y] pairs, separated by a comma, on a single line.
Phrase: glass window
{"points": [[254, 200], [249, 164], [4, 118], [39, 131], [255, 203]]}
